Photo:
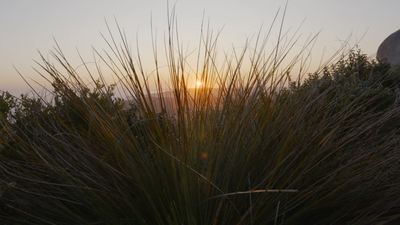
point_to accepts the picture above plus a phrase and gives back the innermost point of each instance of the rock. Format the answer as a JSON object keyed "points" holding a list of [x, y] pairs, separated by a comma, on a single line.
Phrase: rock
{"points": [[390, 49]]}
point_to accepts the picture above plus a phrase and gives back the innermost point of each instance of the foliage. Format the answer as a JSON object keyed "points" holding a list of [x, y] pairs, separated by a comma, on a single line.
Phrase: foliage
{"points": [[323, 151], [7, 103]]}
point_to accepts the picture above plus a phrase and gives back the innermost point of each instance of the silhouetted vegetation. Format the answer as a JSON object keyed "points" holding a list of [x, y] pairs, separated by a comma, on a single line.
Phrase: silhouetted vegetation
{"points": [[321, 151]]}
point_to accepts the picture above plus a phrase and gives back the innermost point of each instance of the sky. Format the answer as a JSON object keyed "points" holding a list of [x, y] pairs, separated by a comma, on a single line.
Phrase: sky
{"points": [[29, 27]]}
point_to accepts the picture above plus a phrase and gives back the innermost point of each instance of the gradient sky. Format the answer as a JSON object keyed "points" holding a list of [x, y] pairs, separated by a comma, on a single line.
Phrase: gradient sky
{"points": [[29, 26]]}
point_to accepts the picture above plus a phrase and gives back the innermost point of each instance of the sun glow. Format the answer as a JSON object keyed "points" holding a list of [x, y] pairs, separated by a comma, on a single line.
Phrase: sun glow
{"points": [[198, 83]]}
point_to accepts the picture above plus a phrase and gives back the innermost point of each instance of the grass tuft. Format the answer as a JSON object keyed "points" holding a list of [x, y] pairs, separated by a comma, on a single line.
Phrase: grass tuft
{"points": [[249, 146]]}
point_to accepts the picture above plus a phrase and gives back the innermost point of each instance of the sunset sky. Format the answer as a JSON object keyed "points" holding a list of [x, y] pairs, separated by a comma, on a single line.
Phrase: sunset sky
{"points": [[30, 26]]}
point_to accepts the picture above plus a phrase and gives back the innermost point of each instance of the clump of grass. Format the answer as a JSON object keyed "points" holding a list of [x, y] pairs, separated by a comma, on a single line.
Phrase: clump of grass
{"points": [[259, 150]]}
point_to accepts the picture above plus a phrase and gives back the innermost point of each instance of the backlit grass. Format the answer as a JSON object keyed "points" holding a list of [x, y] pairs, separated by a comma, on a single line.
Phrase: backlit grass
{"points": [[259, 147]]}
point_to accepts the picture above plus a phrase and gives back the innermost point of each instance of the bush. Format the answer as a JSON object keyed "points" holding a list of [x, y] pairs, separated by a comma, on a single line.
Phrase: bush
{"points": [[324, 151]]}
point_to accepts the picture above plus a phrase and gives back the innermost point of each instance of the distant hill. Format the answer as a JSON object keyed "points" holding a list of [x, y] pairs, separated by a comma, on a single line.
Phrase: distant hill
{"points": [[169, 98], [202, 96]]}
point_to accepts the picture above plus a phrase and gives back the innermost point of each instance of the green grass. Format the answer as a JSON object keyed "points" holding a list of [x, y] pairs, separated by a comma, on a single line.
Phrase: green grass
{"points": [[322, 151]]}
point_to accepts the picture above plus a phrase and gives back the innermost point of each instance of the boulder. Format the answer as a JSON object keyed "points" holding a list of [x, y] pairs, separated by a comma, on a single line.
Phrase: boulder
{"points": [[390, 49]]}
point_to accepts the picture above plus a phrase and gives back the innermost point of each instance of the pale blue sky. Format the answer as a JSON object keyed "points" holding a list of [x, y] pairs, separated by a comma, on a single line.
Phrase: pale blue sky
{"points": [[28, 26]]}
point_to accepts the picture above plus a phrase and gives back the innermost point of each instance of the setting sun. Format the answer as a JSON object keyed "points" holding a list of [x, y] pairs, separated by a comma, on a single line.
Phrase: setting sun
{"points": [[198, 83]]}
